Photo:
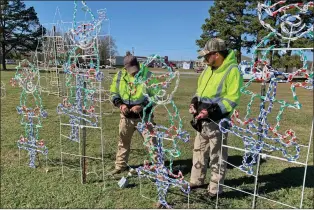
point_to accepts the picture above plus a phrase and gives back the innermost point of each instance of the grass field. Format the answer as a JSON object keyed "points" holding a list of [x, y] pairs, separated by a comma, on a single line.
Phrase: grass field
{"points": [[23, 187]]}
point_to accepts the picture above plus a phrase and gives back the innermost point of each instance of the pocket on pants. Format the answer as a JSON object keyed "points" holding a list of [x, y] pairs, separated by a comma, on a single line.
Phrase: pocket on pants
{"points": [[208, 130]]}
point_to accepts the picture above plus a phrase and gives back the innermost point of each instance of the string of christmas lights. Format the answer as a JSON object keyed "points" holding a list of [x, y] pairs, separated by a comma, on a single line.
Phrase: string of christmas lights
{"points": [[292, 26], [27, 77], [257, 133], [163, 176], [81, 78], [51, 50]]}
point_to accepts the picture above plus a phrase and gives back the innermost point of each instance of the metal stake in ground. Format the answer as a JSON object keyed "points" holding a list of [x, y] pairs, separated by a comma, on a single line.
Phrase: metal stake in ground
{"points": [[83, 122], [260, 139], [84, 143]]}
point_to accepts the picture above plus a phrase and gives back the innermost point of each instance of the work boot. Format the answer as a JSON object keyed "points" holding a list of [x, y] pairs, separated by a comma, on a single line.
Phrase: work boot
{"points": [[158, 205], [213, 196], [118, 171]]}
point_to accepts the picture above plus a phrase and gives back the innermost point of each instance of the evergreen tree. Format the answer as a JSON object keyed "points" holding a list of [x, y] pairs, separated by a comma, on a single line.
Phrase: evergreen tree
{"points": [[231, 20], [20, 29]]}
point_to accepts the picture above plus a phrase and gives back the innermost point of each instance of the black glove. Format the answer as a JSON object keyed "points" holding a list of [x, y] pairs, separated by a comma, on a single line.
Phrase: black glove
{"points": [[196, 124], [117, 102], [215, 113], [194, 101]]}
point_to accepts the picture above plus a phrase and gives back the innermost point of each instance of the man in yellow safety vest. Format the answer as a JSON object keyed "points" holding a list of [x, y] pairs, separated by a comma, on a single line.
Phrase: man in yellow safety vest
{"points": [[130, 99], [217, 94]]}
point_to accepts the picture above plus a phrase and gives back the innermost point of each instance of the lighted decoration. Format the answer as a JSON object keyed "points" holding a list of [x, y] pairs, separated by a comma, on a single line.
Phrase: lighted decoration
{"points": [[105, 95], [85, 34], [102, 14], [80, 110], [82, 74], [163, 176], [257, 133], [3, 91], [50, 55], [27, 77], [292, 26]]}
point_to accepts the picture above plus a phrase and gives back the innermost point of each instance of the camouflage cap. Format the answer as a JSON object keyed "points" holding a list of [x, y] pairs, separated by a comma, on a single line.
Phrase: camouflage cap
{"points": [[213, 45]]}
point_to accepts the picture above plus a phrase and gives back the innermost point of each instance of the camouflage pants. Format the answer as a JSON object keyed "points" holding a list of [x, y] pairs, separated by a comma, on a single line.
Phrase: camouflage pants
{"points": [[207, 152]]}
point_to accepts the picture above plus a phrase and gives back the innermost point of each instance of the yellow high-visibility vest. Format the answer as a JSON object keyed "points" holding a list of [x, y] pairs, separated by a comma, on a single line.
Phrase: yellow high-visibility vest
{"points": [[221, 86], [121, 88]]}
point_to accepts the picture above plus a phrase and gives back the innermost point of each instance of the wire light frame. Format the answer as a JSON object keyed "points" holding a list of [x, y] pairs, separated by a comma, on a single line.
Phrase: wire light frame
{"points": [[260, 137], [81, 108], [31, 110], [163, 176], [50, 55]]}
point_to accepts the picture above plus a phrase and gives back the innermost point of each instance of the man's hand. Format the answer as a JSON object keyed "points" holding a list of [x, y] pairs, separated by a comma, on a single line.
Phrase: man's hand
{"points": [[192, 109], [124, 109], [202, 114], [136, 109]]}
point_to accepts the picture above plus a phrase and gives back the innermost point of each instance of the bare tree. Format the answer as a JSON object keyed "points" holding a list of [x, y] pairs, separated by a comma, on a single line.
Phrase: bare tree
{"points": [[107, 49]]}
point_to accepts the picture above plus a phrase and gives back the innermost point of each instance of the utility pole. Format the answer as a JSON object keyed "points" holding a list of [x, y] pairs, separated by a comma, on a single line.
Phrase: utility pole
{"points": [[133, 51]]}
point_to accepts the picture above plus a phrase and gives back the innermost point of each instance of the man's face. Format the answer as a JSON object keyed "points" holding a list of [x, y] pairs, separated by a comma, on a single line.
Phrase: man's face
{"points": [[211, 58], [133, 73]]}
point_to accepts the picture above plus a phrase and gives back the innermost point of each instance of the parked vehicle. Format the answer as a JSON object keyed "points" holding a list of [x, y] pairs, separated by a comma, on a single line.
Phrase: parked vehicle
{"points": [[173, 65], [199, 69], [248, 74], [109, 67], [10, 61]]}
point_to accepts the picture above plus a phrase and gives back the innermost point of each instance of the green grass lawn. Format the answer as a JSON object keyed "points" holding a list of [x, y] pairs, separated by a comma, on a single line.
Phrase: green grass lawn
{"points": [[9, 66], [23, 187]]}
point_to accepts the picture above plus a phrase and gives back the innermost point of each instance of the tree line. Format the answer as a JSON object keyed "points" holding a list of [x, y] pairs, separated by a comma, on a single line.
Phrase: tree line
{"points": [[234, 21]]}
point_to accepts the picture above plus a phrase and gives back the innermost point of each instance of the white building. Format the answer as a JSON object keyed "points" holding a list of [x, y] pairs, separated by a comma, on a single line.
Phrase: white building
{"points": [[199, 64]]}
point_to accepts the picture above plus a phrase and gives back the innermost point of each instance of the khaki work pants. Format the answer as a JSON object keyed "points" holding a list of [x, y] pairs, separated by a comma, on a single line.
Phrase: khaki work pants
{"points": [[207, 152], [127, 127]]}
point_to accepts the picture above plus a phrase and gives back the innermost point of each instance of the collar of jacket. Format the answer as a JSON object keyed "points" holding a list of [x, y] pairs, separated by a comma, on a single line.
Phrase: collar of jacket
{"points": [[126, 73]]}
